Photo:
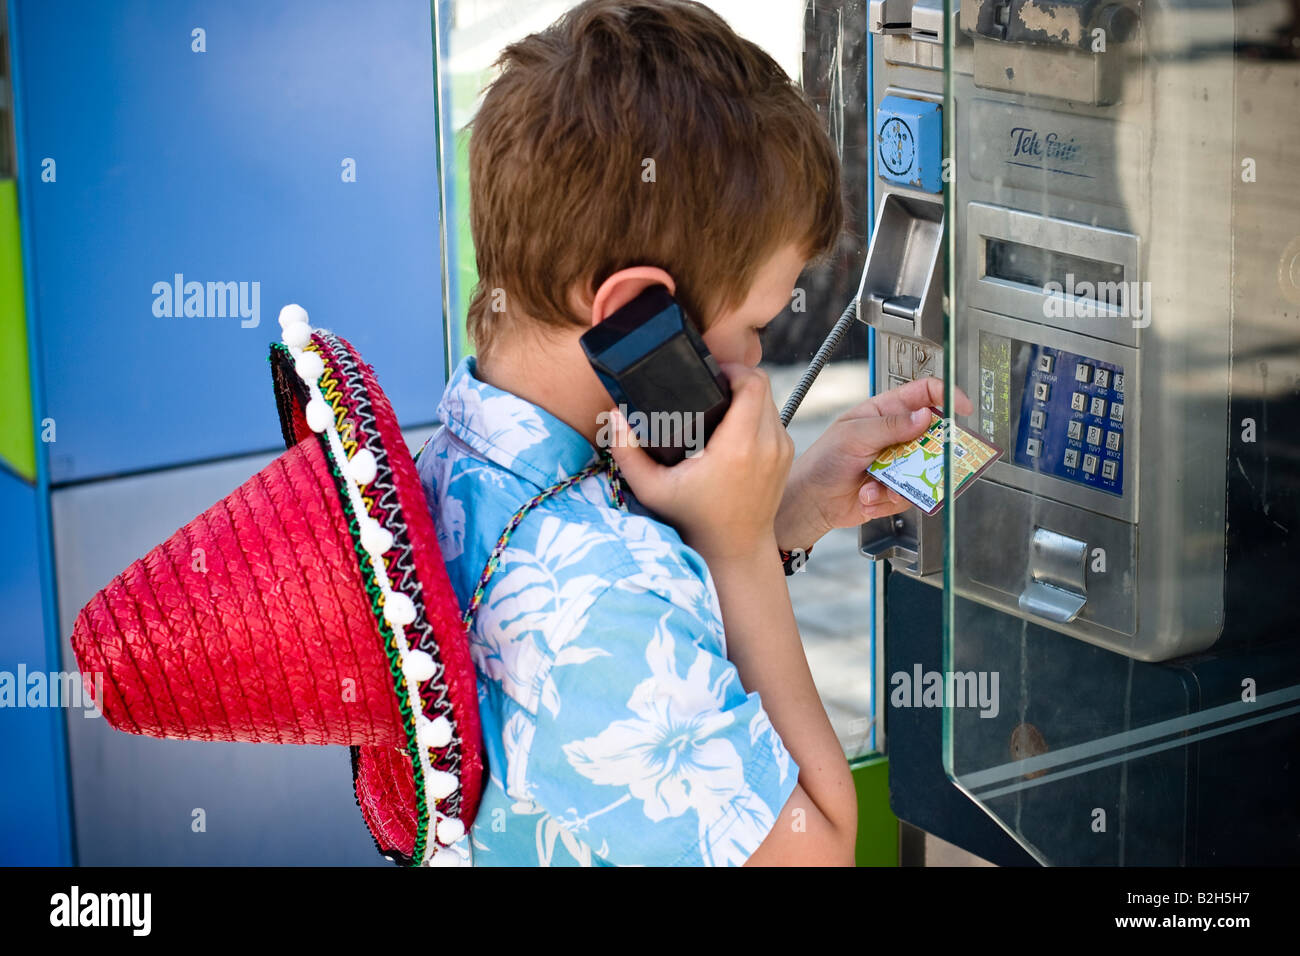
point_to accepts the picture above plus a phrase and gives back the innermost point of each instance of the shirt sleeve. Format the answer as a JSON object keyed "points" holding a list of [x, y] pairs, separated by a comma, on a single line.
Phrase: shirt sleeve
{"points": [[647, 747]]}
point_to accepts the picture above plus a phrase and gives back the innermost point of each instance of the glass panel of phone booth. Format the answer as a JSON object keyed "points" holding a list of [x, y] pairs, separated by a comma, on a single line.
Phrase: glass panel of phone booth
{"points": [[1121, 680], [823, 45]]}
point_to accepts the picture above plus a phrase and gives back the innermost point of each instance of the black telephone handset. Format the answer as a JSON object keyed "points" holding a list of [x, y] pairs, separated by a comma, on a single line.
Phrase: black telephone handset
{"points": [[656, 367]]}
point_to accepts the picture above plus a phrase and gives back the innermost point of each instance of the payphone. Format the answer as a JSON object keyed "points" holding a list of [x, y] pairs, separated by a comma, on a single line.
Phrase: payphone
{"points": [[1077, 315], [1071, 228]]}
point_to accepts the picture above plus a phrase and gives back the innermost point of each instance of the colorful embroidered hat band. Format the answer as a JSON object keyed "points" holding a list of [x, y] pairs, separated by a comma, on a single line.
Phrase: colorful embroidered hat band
{"points": [[349, 435]]}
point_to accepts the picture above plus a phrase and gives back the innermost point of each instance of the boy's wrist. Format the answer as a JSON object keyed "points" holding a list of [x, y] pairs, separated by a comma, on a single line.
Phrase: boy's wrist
{"points": [[752, 554], [799, 522]]}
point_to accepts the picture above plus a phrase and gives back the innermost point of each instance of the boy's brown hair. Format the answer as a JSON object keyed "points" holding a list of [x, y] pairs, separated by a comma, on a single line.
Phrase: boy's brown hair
{"points": [[563, 190]]}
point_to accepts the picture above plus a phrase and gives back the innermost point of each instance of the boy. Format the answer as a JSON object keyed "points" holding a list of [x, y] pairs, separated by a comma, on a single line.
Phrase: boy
{"points": [[644, 694]]}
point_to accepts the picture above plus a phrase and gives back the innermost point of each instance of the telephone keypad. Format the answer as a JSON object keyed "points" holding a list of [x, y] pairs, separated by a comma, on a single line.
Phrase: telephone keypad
{"points": [[1071, 418]]}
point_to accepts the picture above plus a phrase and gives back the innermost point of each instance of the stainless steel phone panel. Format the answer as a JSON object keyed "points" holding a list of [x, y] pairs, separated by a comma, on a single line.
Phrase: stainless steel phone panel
{"points": [[1002, 521], [985, 223]]}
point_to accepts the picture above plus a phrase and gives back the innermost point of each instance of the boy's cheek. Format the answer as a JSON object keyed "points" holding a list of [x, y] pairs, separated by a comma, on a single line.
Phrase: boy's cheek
{"points": [[726, 346]]}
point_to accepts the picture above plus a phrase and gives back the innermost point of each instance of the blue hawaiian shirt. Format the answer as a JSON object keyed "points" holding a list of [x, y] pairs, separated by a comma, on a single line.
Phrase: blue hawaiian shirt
{"points": [[617, 731]]}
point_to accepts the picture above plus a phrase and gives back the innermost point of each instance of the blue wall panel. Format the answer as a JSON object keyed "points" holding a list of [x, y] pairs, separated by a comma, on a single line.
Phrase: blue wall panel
{"points": [[223, 166], [34, 824]]}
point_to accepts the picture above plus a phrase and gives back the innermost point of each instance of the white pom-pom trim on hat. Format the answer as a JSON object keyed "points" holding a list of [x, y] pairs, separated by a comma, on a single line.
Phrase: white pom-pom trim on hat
{"points": [[399, 611], [455, 855], [293, 314], [376, 539], [441, 784], [310, 366], [417, 666], [435, 733], [362, 467], [296, 336], [318, 415], [450, 830]]}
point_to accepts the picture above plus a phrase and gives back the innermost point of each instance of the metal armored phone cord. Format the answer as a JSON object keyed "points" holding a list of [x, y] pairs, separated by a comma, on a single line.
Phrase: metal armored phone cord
{"points": [[824, 353]]}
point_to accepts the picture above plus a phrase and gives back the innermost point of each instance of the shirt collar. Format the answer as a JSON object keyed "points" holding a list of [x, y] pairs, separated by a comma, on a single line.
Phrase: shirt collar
{"points": [[519, 436]]}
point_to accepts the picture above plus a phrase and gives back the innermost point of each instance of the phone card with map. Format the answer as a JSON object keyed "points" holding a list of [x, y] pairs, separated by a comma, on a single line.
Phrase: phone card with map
{"points": [[915, 468]]}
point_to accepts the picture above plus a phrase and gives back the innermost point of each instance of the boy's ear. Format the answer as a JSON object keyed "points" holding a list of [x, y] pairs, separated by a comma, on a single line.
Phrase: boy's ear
{"points": [[624, 286]]}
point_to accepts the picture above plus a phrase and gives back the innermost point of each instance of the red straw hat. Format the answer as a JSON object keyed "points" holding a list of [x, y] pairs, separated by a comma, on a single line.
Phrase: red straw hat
{"points": [[310, 606]]}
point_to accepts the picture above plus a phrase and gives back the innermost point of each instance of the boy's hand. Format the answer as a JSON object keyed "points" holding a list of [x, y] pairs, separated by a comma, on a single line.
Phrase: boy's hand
{"points": [[829, 486], [723, 501]]}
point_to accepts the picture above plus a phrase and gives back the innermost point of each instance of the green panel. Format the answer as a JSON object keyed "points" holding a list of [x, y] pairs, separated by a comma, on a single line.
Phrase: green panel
{"points": [[466, 86], [466, 270], [17, 438], [877, 825]]}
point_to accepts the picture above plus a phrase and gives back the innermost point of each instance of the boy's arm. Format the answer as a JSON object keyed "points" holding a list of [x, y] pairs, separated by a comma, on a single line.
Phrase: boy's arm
{"points": [[818, 825]]}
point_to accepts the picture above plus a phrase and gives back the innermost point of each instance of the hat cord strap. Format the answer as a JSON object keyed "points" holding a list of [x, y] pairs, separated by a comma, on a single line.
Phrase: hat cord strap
{"points": [[605, 464]]}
